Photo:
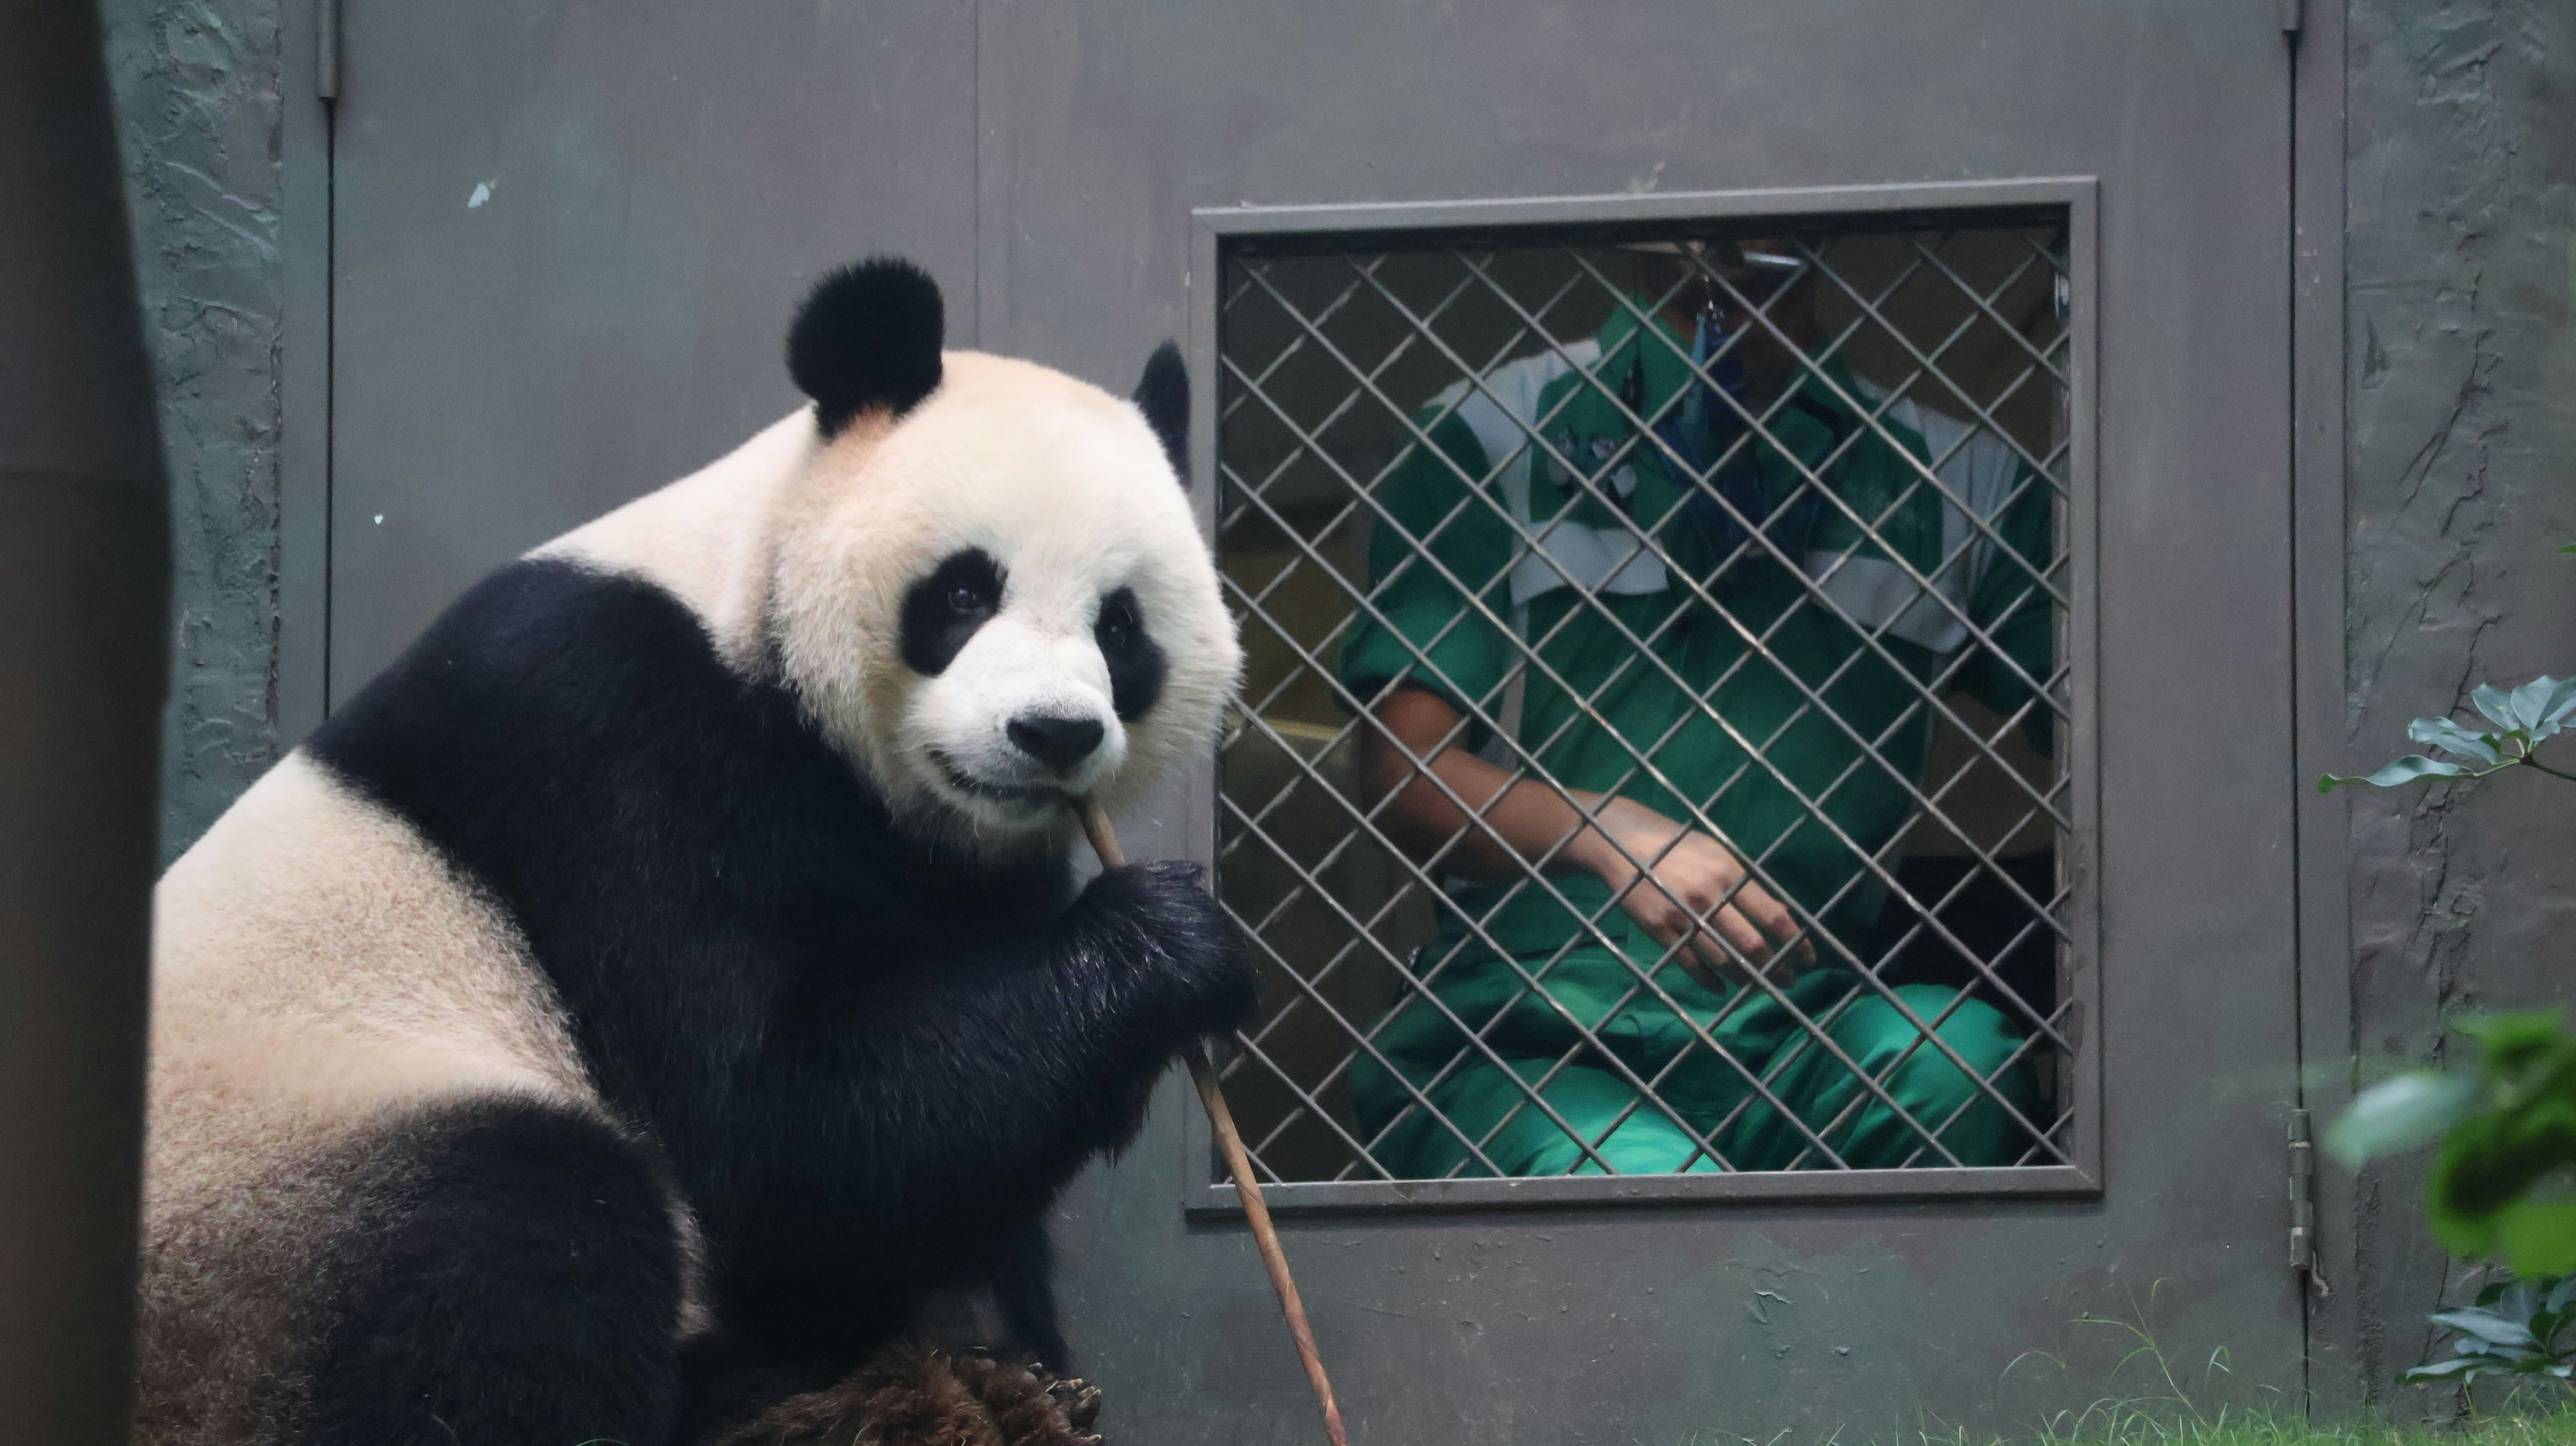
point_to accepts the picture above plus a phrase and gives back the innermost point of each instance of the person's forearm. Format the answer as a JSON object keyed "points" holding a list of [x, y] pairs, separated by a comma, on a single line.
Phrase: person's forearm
{"points": [[1523, 821], [1455, 812]]}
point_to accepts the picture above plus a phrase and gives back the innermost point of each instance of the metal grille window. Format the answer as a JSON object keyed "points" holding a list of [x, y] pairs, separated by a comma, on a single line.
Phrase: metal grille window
{"points": [[1656, 751]]}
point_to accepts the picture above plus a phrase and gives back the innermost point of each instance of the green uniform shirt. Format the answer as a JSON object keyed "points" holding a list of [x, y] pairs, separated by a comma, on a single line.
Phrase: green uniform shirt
{"points": [[1463, 495]]}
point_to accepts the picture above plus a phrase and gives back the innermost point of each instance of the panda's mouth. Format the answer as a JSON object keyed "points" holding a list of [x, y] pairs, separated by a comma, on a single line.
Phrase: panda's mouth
{"points": [[1040, 795]]}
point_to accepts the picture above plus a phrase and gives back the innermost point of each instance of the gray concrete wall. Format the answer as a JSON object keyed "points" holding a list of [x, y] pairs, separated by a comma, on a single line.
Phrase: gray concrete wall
{"points": [[2462, 483], [198, 121], [2462, 423]]}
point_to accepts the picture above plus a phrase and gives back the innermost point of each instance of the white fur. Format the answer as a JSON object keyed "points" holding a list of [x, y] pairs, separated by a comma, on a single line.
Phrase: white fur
{"points": [[1033, 658], [809, 547], [708, 539], [319, 969]]}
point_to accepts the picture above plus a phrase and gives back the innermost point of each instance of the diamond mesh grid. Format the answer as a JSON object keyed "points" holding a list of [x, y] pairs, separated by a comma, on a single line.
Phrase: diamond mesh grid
{"points": [[1766, 527]]}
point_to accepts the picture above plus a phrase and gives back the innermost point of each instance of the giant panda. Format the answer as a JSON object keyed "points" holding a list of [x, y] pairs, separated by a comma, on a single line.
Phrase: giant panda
{"points": [[630, 1011]]}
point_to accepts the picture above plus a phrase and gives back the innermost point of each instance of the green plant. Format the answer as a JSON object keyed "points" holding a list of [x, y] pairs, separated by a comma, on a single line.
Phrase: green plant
{"points": [[2499, 1186], [2503, 1181], [2524, 718], [2513, 1330], [2507, 1133]]}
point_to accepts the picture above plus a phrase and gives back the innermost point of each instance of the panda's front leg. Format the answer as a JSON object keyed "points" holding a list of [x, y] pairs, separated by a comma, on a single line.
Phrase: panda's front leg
{"points": [[1004, 1067], [1066, 1032], [905, 1133], [1024, 1288], [1166, 963], [1169, 969], [905, 1121]]}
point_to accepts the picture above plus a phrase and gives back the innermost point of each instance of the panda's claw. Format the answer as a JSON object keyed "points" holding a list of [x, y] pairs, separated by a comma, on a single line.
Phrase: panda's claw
{"points": [[1030, 1407], [1078, 1400]]}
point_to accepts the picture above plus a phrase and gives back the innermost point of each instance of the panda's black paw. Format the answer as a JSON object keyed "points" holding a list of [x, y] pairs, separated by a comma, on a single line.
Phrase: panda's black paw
{"points": [[933, 1398], [1171, 928]]}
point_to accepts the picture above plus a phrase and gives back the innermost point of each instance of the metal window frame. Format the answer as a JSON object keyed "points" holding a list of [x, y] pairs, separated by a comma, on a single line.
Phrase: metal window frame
{"points": [[1214, 229]]}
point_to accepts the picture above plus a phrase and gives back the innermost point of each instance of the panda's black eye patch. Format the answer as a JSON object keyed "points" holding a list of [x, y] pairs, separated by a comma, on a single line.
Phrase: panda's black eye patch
{"points": [[1135, 660], [942, 610]]}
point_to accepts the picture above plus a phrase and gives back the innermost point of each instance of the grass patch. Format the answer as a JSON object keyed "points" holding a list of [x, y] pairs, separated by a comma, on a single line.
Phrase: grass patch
{"points": [[2520, 1411], [2122, 1423], [2526, 1420]]}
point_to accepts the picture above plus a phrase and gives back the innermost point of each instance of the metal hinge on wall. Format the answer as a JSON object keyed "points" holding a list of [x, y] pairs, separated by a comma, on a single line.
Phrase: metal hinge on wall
{"points": [[326, 49], [2294, 15], [2303, 1193], [2303, 1202]]}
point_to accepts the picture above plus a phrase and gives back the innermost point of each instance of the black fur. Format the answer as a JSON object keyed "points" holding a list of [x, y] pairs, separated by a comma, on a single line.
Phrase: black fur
{"points": [[943, 611], [1025, 1289], [868, 336], [1163, 395], [511, 1277], [871, 1068], [1135, 660], [1054, 739]]}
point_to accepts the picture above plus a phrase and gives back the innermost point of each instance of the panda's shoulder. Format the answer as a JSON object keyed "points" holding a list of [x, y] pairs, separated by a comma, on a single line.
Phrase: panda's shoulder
{"points": [[542, 641], [581, 619], [562, 729], [556, 700]]}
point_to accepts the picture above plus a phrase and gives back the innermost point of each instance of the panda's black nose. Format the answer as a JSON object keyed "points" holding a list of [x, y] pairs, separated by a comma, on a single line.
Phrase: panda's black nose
{"points": [[1059, 743]]}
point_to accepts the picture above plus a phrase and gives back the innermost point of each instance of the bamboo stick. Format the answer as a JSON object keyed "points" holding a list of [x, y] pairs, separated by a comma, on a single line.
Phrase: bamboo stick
{"points": [[1238, 1163]]}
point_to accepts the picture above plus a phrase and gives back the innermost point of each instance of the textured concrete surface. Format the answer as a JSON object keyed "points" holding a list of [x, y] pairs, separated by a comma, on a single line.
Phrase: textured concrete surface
{"points": [[198, 122], [2462, 484]]}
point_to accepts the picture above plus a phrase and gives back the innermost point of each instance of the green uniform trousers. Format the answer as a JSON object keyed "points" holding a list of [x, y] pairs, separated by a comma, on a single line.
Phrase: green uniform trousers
{"points": [[1530, 1034]]}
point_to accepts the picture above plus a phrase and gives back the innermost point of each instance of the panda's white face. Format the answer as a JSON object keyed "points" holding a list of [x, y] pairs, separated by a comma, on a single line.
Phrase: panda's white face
{"points": [[1026, 678], [1001, 604]]}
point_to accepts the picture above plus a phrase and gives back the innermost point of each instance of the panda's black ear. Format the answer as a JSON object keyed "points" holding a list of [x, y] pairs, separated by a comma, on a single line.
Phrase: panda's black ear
{"points": [[1163, 395], [868, 336]]}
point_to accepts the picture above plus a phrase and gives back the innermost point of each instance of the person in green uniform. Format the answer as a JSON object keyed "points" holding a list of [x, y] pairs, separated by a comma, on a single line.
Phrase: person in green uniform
{"points": [[1703, 707]]}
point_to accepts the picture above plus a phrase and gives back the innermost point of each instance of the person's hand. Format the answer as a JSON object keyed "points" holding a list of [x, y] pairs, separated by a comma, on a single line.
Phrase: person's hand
{"points": [[1704, 895]]}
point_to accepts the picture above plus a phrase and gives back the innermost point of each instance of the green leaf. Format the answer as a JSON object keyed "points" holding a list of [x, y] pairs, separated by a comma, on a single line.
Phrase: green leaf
{"points": [[2405, 770], [2494, 702], [2488, 1164], [2531, 701], [2450, 737], [2510, 1039], [2521, 1302], [2444, 1370], [2487, 1326], [2555, 708], [2539, 1236], [2405, 1113]]}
